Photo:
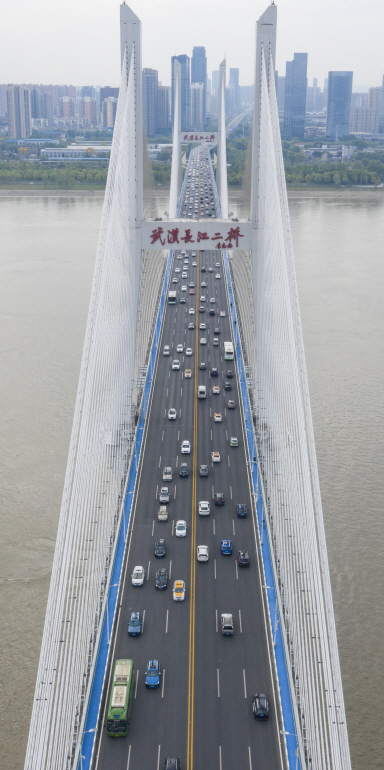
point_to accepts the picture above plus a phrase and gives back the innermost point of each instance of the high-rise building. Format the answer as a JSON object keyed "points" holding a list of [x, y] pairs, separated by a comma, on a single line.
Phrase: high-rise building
{"points": [[234, 90], [381, 122], [19, 112], [87, 91], [339, 104], [109, 107], [107, 91], [197, 107], [185, 90], [3, 101], [280, 90], [88, 110], [66, 107], [295, 96], [163, 106], [365, 112], [150, 88], [215, 82], [199, 73]]}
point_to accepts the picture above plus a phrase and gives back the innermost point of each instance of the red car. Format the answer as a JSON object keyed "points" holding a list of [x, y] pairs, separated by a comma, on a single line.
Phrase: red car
{"points": [[191, 291]]}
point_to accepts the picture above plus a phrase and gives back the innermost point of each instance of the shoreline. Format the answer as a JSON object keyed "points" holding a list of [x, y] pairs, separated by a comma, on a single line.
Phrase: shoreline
{"points": [[311, 192]]}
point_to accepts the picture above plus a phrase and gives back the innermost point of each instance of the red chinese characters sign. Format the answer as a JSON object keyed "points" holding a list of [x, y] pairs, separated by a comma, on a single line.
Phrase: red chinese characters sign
{"points": [[196, 235], [199, 136]]}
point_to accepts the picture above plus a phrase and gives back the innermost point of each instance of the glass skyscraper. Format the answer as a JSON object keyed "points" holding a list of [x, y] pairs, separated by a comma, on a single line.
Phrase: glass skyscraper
{"points": [[339, 104], [199, 73], [185, 91], [295, 96]]}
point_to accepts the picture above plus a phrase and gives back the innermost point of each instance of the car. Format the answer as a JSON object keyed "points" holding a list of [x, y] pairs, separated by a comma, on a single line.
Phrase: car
{"points": [[203, 470], [227, 386], [216, 389], [204, 508], [191, 326], [211, 311], [222, 313], [162, 514], [260, 706], [186, 448], [216, 330], [215, 342], [217, 264], [203, 269], [166, 350], [201, 309], [160, 548], [172, 763], [183, 253], [188, 352], [175, 365], [230, 404], [217, 417], [217, 275], [167, 473], [203, 341], [210, 270], [193, 254], [184, 470], [203, 326], [214, 372], [179, 256], [183, 288], [164, 495], [215, 457], [229, 373], [233, 441], [226, 623], [181, 528], [191, 291], [202, 553], [161, 579], [191, 285], [182, 301], [188, 374], [179, 348], [203, 285], [194, 264], [184, 275], [153, 674], [138, 576], [219, 498], [174, 280], [212, 300], [135, 624], [179, 591], [177, 270], [243, 558], [226, 547], [202, 299], [191, 311], [241, 510], [172, 414]]}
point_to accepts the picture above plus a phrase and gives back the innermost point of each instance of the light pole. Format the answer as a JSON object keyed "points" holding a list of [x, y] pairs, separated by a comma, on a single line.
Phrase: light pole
{"points": [[298, 738], [112, 586], [272, 588], [92, 730]]}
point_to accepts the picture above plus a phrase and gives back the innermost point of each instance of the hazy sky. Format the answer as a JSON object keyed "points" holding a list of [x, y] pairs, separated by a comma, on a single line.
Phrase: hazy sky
{"points": [[77, 41]]}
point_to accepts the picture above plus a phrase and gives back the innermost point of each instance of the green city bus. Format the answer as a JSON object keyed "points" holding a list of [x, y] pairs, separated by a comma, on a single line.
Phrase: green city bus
{"points": [[120, 699]]}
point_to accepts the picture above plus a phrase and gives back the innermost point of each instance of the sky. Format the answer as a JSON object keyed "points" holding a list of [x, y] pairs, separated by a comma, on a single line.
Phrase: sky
{"points": [[72, 42]]}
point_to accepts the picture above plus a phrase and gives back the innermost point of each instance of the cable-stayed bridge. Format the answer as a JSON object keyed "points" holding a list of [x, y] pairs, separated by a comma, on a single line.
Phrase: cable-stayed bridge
{"points": [[236, 282]]}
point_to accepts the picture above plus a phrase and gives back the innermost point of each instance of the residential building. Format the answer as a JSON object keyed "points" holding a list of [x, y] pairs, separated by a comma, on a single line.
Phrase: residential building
{"points": [[3, 101], [199, 74], [339, 104], [185, 90], [381, 124], [295, 96], [366, 119], [19, 112], [107, 91], [88, 110], [163, 108], [150, 88], [197, 107], [66, 107], [109, 107]]}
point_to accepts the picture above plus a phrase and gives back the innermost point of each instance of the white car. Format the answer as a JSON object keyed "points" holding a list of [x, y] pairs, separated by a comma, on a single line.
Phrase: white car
{"points": [[193, 254], [175, 364], [138, 576], [183, 288], [188, 352], [217, 264], [212, 300], [203, 341], [217, 417], [203, 285], [179, 349], [184, 275], [186, 448], [215, 457], [194, 264], [191, 311], [203, 327], [202, 299], [183, 253], [210, 270], [172, 414], [177, 270], [204, 508], [222, 313], [202, 553], [166, 350], [217, 275], [181, 528], [174, 280]]}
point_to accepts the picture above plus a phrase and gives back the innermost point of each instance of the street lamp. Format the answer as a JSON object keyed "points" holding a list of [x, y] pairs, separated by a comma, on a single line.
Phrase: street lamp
{"points": [[272, 588], [298, 738], [92, 730], [112, 586]]}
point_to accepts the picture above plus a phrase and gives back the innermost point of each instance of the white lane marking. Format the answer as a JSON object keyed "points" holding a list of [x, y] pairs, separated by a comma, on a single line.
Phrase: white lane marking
{"points": [[179, 415], [250, 758], [158, 757], [210, 411], [178, 432], [181, 392], [220, 762], [137, 680], [173, 526], [167, 392], [230, 489], [229, 462], [217, 622], [211, 434], [226, 433], [162, 438], [177, 459], [218, 683], [213, 492], [237, 571], [174, 493], [214, 567], [233, 526], [214, 526], [240, 623], [166, 622], [159, 461], [153, 526], [129, 756], [142, 627], [165, 412], [157, 489], [162, 687], [149, 567], [170, 569], [169, 374]]}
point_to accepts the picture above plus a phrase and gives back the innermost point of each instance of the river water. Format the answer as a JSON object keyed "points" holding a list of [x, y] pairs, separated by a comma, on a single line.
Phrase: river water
{"points": [[47, 252]]}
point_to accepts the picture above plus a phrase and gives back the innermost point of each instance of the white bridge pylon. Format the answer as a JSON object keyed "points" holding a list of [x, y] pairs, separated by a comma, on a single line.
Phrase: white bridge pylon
{"points": [[101, 447]]}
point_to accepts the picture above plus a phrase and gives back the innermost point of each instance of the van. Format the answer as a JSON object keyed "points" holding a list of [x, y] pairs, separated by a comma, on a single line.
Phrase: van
{"points": [[163, 513], [201, 391]]}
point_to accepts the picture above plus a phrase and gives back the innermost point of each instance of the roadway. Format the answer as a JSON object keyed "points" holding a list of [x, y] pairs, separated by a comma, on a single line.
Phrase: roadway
{"points": [[202, 713]]}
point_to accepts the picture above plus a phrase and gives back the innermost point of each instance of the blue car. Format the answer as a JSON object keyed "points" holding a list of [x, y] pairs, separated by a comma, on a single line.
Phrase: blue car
{"points": [[226, 547], [153, 674], [135, 624]]}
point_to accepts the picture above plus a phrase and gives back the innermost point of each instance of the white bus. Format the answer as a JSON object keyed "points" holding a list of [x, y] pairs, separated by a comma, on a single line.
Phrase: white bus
{"points": [[172, 298], [228, 351]]}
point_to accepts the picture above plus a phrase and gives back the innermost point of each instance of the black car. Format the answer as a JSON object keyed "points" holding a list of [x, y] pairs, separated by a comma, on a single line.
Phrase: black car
{"points": [[243, 558], [260, 706], [241, 510], [219, 498], [203, 269], [227, 386], [160, 548], [135, 624], [172, 763], [184, 470], [201, 309], [161, 578], [212, 311], [191, 326], [182, 301], [230, 404], [214, 372], [203, 470], [202, 365], [216, 330], [229, 373]]}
